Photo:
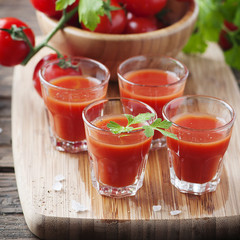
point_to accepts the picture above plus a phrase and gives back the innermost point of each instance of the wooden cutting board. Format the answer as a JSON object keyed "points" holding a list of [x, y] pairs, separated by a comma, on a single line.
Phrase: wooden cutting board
{"points": [[49, 213]]}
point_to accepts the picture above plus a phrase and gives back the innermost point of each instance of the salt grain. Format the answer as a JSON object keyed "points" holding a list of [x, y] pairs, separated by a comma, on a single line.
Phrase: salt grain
{"points": [[59, 178], [175, 212], [78, 207], [57, 186], [157, 208]]}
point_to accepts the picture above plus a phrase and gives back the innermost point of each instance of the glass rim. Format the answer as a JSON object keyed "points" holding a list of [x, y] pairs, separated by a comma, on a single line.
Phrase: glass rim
{"points": [[228, 106], [53, 61], [143, 57], [114, 99]]}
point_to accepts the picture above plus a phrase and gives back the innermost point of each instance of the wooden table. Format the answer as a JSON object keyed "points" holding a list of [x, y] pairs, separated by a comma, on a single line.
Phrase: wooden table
{"points": [[12, 223]]}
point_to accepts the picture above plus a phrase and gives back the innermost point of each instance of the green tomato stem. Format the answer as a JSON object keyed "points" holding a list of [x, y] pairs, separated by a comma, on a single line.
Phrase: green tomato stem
{"points": [[66, 16]]}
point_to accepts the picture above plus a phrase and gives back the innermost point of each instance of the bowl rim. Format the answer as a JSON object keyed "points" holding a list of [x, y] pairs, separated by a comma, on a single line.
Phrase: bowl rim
{"points": [[189, 17]]}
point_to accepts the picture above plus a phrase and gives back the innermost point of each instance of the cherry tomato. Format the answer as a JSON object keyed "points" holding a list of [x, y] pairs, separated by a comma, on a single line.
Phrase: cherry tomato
{"points": [[140, 24], [230, 26], [52, 71], [117, 23], [13, 52], [56, 70], [46, 6], [224, 39], [36, 78], [49, 8], [144, 8]]}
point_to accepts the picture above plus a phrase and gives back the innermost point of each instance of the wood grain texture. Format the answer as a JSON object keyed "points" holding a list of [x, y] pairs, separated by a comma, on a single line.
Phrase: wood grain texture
{"points": [[49, 214]]}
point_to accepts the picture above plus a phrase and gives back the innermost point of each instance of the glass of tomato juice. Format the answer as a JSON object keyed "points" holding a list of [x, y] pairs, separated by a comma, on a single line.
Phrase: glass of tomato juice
{"points": [[117, 161], [154, 80], [69, 85], [203, 126]]}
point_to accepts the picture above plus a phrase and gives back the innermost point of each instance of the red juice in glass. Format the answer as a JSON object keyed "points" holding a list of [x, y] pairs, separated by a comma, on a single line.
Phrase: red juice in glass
{"points": [[117, 161], [66, 109], [203, 126], [66, 92], [153, 80]]}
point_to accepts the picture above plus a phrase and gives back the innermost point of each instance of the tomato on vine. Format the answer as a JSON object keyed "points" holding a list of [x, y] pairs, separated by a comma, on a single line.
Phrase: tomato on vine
{"points": [[36, 78], [63, 68], [16, 41]]}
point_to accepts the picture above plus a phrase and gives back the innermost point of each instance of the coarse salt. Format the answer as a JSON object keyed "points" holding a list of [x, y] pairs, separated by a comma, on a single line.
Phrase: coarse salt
{"points": [[57, 186], [157, 208], [59, 178], [175, 212], [78, 207]]}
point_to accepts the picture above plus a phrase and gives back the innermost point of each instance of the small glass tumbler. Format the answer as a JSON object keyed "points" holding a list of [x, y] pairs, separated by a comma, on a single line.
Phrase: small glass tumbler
{"points": [[203, 126], [67, 87], [154, 80], [117, 161]]}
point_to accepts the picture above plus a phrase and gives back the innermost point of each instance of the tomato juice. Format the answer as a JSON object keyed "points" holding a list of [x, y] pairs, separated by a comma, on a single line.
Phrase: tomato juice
{"points": [[152, 86], [66, 101], [197, 156], [118, 159]]}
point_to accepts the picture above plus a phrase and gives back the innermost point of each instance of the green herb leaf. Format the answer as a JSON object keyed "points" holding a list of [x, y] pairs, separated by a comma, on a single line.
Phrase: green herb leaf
{"points": [[158, 125], [149, 131], [141, 118], [89, 12], [63, 4], [168, 134], [232, 56], [115, 128], [210, 22], [129, 118]]}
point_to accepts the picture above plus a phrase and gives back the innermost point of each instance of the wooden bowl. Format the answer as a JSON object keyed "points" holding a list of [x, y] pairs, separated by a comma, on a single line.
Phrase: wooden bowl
{"points": [[111, 49]]}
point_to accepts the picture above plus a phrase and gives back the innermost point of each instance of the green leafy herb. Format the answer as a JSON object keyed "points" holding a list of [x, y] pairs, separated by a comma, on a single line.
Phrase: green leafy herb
{"points": [[209, 25], [89, 12], [158, 125], [63, 4]]}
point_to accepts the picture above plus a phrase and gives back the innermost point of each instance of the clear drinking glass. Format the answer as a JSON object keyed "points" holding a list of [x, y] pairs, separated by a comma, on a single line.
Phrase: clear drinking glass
{"points": [[203, 125], [117, 161], [66, 90], [153, 80]]}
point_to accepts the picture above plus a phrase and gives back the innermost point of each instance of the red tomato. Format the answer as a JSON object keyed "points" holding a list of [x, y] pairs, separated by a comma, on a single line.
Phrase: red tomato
{"points": [[224, 41], [49, 8], [36, 79], [144, 8], [52, 71], [230, 26], [46, 6], [13, 52], [55, 70], [140, 24], [117, 23]]}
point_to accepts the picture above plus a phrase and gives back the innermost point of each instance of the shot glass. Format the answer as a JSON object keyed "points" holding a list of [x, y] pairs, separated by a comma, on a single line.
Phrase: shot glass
{"points": [[117, 161], [67, 87], [153, 80], [203, 126]]}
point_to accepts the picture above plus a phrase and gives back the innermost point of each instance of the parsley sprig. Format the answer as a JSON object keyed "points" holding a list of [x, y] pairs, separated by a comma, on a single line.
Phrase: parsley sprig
{"points": [[158, 125], [212, 14]]}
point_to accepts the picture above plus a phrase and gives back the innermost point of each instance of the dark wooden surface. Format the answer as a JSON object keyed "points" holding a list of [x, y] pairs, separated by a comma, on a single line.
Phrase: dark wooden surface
{"points": [[12, 223]]}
